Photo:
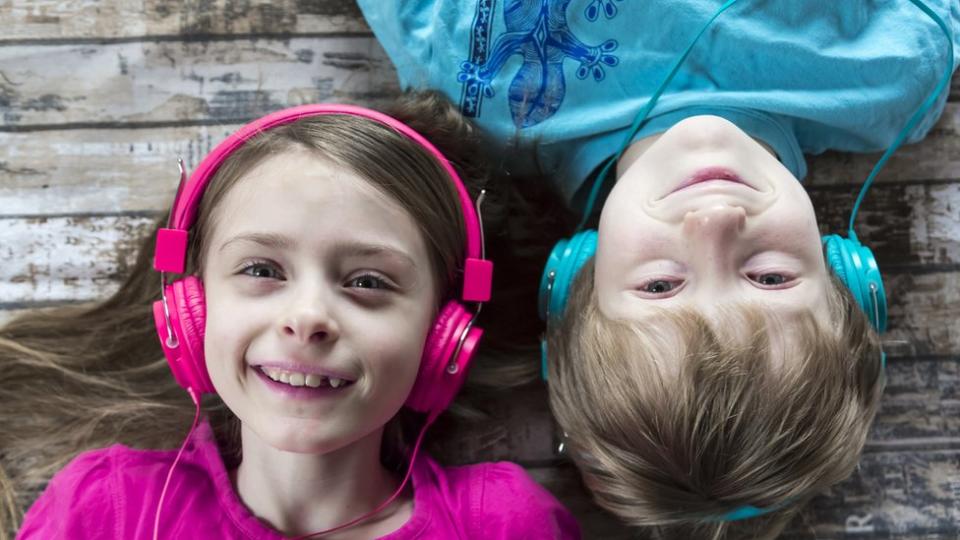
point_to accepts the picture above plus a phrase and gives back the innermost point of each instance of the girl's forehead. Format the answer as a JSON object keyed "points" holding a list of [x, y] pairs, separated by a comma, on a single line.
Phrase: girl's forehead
{"points": [[303, 195]]}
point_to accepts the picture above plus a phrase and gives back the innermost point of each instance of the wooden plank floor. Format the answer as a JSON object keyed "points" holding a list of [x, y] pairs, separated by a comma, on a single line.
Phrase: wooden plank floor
{"points": [[97, 98]]}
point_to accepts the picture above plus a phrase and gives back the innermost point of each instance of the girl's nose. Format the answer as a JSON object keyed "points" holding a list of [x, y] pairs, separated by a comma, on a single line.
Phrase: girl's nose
{"points": [[309, 321]]}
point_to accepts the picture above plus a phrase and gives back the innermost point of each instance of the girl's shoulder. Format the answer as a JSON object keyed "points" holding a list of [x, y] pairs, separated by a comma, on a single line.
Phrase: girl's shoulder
{"points": [[84, 499], [113, 492], [494, 500]]}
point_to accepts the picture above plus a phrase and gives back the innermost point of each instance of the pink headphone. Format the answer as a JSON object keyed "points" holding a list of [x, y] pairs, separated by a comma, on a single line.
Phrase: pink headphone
{"points": [[180, 316]]}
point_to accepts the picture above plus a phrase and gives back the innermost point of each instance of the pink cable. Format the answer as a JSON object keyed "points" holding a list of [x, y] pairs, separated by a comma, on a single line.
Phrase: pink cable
{"points": [[378, 509], [166, 483], [386, 503]]}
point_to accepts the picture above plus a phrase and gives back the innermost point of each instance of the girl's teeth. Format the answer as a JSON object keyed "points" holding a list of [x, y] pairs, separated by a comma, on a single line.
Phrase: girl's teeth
{"points": [[302, 379]]}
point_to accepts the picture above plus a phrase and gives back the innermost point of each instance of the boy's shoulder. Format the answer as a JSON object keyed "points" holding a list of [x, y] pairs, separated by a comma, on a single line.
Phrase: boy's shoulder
{"points": [[500, 500]]}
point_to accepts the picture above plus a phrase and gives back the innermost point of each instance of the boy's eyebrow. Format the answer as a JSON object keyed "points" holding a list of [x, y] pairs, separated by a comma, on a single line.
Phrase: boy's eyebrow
{"points": [[342, 249]]}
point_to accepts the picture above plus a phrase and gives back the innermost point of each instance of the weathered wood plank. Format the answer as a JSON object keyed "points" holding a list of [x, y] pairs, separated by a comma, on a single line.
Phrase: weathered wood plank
{"points": [[40, 20], [71, 258], [108, 170], [213, 81], [923, 312], [87, 171], [904, 224], [920, 409], [892, 495], [937, 157]]}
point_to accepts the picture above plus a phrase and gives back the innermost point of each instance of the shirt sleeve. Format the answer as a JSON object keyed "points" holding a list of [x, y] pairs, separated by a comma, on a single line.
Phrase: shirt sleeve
{"points": [[77, 503], [513, 505]]}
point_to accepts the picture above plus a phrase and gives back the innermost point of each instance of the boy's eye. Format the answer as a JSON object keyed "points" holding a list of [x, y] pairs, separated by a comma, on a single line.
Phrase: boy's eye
{"points": [[771, 279], [262, 271], [658, 286]]}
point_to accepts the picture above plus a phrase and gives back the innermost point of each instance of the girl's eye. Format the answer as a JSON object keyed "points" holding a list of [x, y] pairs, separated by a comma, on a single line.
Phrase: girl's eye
{"points": [[659, 286], [368, 281], [262, 270]]}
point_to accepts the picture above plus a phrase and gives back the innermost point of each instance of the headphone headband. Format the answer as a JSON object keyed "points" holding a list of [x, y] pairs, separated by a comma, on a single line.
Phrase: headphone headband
{"points": [[171, 249]]}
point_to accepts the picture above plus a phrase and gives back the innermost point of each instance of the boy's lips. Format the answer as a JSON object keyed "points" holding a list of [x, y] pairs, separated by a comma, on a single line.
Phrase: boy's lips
{"points": [[709, 174]]}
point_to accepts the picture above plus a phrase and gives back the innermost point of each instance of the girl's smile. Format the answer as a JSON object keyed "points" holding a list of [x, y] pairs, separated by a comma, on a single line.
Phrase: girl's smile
{"points": [[317, 304]]}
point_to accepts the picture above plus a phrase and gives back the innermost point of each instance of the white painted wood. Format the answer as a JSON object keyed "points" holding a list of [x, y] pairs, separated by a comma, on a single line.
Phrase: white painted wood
{"points": [[186, 81], [66, 259], [83, 171], [77, 19]]}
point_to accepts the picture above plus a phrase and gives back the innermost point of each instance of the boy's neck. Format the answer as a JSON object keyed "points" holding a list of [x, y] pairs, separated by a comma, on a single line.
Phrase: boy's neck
{"points": [[306, 493]]}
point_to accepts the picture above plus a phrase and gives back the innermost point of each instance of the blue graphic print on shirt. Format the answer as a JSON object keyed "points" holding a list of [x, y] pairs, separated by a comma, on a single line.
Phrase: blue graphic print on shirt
{"points": [[537, 30]]}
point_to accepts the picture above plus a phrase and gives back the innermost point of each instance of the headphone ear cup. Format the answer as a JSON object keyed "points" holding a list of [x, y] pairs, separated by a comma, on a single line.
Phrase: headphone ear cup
{"points": [[833, 251], [857, 268], [187, 312], [564, 263], [441, 376]]}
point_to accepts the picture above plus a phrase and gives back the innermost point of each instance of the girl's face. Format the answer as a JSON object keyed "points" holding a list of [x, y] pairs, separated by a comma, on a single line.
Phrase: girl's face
{"points": [[319, 297], [701, 216]]}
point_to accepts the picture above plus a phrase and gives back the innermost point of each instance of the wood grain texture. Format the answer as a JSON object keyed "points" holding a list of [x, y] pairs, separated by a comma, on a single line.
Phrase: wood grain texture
{"points": [[934, 158], [163, 82], [47, 20], [88, 171]]}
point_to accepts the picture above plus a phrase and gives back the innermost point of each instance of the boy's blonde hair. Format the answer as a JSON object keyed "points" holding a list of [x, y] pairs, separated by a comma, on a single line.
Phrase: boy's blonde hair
{"points": [[674, 421]]}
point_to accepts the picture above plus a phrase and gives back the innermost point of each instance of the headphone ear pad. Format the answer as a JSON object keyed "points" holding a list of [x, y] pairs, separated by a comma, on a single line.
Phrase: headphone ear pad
{"points": [[832, 247], [565, 261], [855, 266], [188, 321], [441, 376]]}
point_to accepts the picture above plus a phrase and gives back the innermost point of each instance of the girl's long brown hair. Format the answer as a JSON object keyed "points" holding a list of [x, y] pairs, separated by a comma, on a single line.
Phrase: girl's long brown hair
{"points": [[86, 376]]}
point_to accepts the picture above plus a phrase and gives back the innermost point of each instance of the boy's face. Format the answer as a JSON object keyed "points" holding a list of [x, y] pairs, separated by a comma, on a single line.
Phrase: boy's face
{"points": [[704, 216], [319, 296]]}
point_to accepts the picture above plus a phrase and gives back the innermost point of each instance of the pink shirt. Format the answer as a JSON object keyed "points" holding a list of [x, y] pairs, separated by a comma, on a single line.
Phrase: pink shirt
{"points": [[113, 493]]}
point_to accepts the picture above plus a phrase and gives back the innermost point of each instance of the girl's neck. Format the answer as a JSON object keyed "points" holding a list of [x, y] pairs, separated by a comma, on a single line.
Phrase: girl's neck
{"points": [[306, 493]]}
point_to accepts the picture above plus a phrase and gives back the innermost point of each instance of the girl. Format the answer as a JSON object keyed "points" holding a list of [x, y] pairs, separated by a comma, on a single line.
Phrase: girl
{"points": [[712, 365], [333, 252]]}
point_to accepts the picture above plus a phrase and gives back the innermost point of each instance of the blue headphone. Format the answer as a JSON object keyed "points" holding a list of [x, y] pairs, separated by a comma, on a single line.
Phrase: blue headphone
{"points": [[852, 262]]}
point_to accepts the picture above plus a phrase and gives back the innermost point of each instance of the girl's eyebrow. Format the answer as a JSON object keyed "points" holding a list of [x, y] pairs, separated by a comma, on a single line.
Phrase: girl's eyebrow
{"points": [[340, 249], [270, 240], [371, 249]]}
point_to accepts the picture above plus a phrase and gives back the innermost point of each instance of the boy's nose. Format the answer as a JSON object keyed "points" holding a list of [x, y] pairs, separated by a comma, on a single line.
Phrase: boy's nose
{"points": [[714, 224], [711, 234]]}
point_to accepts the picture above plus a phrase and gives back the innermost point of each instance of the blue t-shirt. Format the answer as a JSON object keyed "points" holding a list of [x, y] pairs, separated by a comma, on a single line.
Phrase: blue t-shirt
{"points": [[555, 84]]}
